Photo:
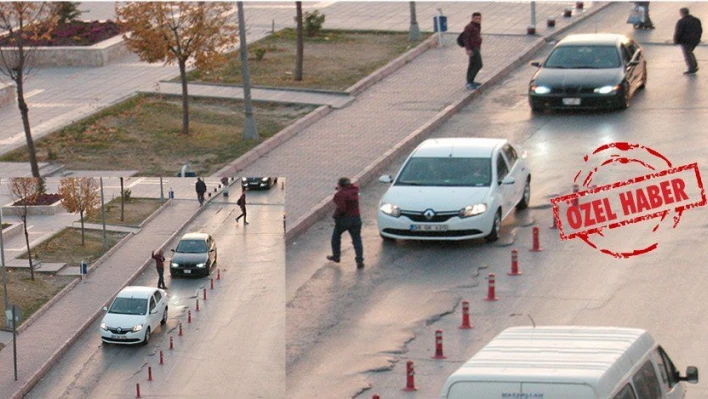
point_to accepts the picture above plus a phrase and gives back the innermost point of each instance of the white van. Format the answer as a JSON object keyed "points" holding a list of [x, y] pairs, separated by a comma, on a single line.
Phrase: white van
{"points": [[569, 362]]}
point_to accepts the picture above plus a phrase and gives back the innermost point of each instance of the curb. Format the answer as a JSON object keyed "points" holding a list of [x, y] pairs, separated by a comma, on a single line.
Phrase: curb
{"points": [[270, 144], [12, 231], [54, 357], [412, 140], [392, 66]]}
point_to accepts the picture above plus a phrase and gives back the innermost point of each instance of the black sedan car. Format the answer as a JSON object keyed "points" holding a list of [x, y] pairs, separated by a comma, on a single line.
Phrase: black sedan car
{"points": [[258, 183], [195, 255], [589, 71]]}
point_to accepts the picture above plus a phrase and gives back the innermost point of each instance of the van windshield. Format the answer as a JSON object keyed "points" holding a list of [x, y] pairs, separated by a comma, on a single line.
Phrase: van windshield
{"points": [[452, 172]]}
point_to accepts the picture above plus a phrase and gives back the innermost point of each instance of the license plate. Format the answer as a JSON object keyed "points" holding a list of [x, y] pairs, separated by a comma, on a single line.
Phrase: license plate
{"points": [[428, 227], [571, 101], [187, 271], [118, 337]]}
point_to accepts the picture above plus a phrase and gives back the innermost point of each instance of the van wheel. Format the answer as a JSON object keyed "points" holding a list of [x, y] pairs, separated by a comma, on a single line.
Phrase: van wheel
{"points": [[496, 227]]}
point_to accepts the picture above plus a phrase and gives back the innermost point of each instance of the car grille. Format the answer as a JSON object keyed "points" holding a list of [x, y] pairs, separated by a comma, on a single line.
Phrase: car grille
{"points": [[187, 265], [437, 218], [572, 90], [448, 233], [114, 330]]}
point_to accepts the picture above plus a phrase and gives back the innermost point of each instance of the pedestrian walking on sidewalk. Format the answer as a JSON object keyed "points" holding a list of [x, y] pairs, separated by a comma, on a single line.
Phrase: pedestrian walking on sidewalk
{"points": [[688, 34], [645, 20], [242, 204], [160, 265], [472, 36], [201, 189], [347, 218]]}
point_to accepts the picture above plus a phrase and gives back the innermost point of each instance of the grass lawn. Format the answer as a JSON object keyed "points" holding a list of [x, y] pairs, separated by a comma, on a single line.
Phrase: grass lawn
{"points": [[333, 60], [65, 247], [144, 134], [31, 295], [135, 211]]}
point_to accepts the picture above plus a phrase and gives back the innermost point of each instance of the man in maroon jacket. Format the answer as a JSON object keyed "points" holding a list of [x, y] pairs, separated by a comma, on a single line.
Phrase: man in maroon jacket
{"points": [[473, 43], [347, 218]]}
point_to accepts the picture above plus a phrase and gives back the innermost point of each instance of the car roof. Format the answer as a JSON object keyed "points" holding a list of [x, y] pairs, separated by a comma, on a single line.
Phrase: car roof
{"points": [[135, 292], [464, 147], [598, 356], [195, 236], [593, 39]]}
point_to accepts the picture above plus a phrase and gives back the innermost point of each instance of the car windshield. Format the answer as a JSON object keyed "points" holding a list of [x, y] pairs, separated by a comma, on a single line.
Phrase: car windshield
{"points": [[583, 57], [192, 246], [454, 172], [136, 306]]}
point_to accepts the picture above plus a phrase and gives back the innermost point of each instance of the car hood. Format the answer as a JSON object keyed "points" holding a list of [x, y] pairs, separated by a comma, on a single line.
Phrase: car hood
{"points": [[182, 257], [554, 77], [439, 199], [124, 321]]}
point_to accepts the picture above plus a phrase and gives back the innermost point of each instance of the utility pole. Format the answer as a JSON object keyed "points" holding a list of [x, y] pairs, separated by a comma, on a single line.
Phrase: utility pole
{"points": [[249, 126], [103, 217], [2, 259], [414, 32]]}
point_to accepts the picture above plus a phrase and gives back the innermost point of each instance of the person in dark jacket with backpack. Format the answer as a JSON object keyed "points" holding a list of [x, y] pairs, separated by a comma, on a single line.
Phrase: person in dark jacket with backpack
{"points": [[472, 37], [242, 204], [688, 34], [347, 218]]}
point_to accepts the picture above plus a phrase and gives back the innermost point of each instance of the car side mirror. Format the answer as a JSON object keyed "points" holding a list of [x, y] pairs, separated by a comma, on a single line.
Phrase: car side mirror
{"points": [[105, 308], [212, 250], [386, 179], [633, 63], [154, 311], [172, 250], [691, 375], [508, 180], [536, 64]]}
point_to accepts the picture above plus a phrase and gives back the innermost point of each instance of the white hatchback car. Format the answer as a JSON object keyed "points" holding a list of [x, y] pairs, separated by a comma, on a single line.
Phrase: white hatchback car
{"points": [[133, 315], [455, 189]]}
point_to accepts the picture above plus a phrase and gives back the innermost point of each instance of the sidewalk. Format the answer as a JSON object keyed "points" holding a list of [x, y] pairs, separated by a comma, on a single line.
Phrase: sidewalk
{"points": [[354, 141]]}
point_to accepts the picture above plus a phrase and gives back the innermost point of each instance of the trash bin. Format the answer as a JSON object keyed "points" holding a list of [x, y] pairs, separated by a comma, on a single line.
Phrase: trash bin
{"points": [[83, 268], [171, 194], [440, 23]]}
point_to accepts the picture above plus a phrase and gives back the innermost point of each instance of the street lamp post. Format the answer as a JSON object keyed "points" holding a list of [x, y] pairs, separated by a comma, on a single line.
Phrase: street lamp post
{"points": [[2, 259], [414, 32], [249, 128], [103, 217]]}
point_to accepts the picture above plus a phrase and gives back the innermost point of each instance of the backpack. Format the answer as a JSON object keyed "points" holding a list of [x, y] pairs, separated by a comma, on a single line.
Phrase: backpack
{"points": [[461, 40]]}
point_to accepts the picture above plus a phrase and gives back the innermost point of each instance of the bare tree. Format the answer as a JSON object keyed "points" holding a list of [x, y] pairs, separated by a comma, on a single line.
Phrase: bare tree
{"points": [[24, 22], [82, 195], [299, 59], [25, 191]]}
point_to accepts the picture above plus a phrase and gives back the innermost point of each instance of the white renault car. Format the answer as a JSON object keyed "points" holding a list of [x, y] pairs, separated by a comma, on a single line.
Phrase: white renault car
{"points": [[133, 315], [455, 189]]}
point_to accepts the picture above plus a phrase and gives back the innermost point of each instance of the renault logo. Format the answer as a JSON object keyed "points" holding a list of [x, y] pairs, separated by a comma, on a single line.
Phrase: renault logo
{"points": [[119, 330], [429, 214]]}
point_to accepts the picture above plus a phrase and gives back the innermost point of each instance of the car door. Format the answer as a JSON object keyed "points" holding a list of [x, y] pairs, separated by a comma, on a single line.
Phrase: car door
{"points": [[153, 314], [516, 169], [505, 192], [631, 72], [212, 250]]}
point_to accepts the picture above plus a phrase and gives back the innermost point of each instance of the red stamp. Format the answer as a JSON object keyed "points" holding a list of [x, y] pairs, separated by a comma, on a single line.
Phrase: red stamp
{"points": [[616, 215]]}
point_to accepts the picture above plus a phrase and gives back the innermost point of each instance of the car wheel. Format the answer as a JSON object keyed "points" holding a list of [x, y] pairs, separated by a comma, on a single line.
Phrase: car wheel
{"points": [[496, 226], [147, 336], [644, 80], [526, 198], [624, 104], [164, 317]]}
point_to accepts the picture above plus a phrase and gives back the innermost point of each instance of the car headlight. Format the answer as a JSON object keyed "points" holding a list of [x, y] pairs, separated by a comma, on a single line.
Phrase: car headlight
{"points": [[264, 180], [137, 328], [540, 89], [104, 326], [391, 210], [472, 210], [244, 179], [200, 264], [173, 264], [606, 89]]}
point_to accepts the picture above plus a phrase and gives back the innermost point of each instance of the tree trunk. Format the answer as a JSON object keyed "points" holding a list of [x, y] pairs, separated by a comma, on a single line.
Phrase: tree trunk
{"points": [[29, 253], [300, 45], [414, 31], [24, 111], [185, 96], [122, 198], [81, 213]]}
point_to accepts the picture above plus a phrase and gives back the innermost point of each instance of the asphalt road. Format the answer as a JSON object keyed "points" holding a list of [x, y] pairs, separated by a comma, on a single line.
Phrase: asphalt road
{"points": [[238, 334], [376, 320]]}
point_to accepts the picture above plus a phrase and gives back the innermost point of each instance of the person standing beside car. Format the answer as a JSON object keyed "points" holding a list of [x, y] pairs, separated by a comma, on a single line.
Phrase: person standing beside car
{"points": [[472, 36], [347, 218], [688, 34], [160, 265]]}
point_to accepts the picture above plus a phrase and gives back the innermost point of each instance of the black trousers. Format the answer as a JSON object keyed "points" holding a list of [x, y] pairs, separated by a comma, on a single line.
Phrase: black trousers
{"points": [[353, 226], [689, 57], [474, 65], [243, 214], [161, 278]]}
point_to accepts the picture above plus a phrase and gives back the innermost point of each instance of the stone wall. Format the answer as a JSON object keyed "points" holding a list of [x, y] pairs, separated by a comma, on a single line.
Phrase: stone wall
{"points": [[98, 55]]}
